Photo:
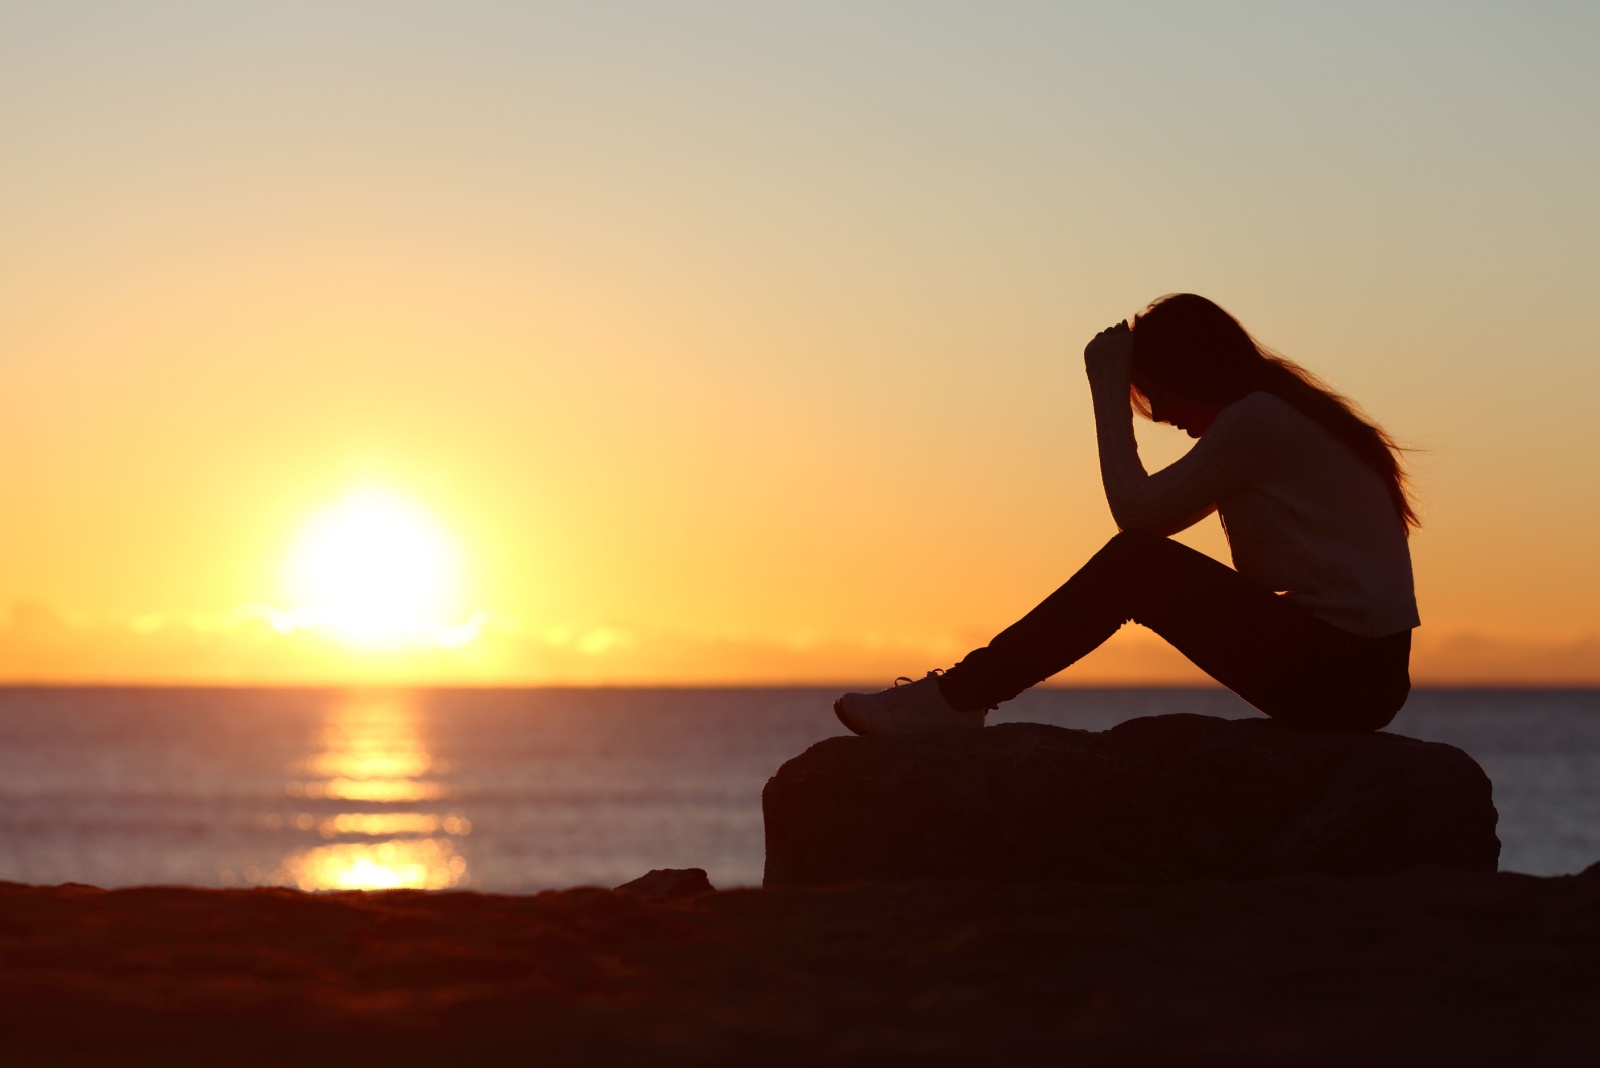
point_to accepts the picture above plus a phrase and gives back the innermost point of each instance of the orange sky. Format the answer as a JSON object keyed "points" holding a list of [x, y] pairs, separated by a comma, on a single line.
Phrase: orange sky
{"points": [[745, 346]]}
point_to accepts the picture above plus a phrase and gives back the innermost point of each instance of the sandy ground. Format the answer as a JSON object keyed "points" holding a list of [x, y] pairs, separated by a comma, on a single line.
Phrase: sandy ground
{"points": [[1428, 968]]}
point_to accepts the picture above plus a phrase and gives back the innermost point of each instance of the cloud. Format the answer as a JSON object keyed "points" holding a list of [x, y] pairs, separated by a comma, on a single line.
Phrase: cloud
{"points": [[1464, 658], [252, 645]]}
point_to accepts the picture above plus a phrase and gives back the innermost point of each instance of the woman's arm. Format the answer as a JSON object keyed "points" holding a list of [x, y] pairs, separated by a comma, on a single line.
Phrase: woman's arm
{"points": [[1226, 457]]}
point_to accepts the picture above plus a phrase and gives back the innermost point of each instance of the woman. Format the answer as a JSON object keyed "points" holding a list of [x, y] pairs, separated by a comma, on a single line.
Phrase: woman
{"points": [[1312, 497]]}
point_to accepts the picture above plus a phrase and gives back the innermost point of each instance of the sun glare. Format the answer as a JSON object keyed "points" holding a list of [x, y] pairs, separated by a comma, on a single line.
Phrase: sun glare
{"points": [[377, 571]]}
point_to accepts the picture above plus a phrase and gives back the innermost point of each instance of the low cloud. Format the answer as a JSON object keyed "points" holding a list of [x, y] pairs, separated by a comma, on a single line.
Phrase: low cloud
{"points": [[1466, 658], [251, 645]]}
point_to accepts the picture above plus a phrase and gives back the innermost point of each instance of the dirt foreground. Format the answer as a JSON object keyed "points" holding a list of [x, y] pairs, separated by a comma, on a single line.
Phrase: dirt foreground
{"points": [[1426, 968]]}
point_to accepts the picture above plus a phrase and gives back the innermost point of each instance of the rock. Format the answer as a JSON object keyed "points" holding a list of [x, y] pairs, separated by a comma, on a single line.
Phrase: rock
{"points": [[669, 882], [1156, 799]]}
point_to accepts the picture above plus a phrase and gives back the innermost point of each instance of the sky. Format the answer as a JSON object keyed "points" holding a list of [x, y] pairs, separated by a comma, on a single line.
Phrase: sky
{"points": [[732, 343]]}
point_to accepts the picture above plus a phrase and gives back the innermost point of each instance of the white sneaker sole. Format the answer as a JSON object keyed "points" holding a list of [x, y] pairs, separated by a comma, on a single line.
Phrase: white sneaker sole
{"points": [[847, 720]]}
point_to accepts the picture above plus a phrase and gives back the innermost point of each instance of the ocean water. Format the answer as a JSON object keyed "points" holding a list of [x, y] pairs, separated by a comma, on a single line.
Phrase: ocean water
{"points": [[521, 790]]}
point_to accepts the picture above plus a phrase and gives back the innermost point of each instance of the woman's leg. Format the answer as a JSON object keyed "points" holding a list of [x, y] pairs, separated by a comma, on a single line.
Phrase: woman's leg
{"points": [[1285, 661]]}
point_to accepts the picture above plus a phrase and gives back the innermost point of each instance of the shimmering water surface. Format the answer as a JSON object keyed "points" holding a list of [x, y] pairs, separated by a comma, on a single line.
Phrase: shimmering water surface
{"points": [[517, 790]]}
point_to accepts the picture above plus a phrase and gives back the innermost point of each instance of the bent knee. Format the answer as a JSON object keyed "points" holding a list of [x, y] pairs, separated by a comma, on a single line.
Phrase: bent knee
{"points": [[1136, 543]]}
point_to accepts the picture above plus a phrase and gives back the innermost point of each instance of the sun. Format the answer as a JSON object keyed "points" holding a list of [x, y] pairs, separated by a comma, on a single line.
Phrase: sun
{"points": [[377, 571]]}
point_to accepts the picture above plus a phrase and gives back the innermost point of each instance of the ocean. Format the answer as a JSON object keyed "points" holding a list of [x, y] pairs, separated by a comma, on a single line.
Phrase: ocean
{"points": [[523, 790]]}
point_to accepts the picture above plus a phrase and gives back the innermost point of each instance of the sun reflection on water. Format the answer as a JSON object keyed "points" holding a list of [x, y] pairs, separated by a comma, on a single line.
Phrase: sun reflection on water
{"points": [[391, 790], [416, 864], [378, 824], [373, 752]]}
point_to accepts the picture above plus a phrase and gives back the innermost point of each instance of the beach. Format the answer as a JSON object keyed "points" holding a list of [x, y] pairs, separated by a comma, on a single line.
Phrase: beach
{"points": [[1427, 967]]}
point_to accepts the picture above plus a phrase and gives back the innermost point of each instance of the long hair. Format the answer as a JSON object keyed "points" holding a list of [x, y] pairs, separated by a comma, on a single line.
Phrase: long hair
{"points": [[1188, 345]]}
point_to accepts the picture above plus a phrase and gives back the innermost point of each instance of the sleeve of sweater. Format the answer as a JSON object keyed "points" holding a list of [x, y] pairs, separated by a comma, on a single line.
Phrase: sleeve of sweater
{"points": [[1227, 457]]}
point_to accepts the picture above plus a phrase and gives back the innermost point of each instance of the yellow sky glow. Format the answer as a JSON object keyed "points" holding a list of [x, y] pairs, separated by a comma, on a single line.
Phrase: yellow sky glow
{"points": [[733, 343]]}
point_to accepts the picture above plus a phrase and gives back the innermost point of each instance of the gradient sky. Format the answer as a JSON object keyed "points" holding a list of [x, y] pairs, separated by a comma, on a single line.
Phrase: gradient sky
{"points": [[741, 342]]}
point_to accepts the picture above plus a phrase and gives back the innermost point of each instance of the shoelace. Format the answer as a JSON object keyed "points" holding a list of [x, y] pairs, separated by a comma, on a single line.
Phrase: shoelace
{"points": [[905, 680]]}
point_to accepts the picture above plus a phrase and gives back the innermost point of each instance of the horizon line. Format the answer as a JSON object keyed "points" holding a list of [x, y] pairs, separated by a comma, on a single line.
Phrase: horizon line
{"points": [[1480, 686]]}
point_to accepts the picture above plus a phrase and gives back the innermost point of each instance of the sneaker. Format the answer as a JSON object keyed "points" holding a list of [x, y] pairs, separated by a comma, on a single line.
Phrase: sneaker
{"points": [[905, 708]]}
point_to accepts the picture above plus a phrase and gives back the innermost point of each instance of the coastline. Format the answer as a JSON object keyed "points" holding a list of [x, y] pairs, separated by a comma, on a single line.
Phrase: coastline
{"points": [[1428, 967]]}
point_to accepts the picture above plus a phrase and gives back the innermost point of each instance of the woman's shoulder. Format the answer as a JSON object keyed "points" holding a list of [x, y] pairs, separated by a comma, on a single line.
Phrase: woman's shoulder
{"points": [[1262, 422], [1261, 402], [1266, 422], [1257, 412], [1268, 412]]}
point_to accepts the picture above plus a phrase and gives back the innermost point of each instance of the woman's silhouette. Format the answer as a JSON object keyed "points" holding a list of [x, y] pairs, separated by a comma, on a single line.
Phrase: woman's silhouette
{"points": [[1314, 503]]}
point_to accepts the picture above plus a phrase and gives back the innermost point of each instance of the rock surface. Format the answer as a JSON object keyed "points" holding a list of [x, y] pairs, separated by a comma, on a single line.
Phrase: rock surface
{"points": [[669, 883], [1155, 799]]}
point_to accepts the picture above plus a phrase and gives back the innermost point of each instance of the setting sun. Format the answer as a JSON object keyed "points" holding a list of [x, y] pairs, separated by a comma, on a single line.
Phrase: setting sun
{"points": [[377, 571]]}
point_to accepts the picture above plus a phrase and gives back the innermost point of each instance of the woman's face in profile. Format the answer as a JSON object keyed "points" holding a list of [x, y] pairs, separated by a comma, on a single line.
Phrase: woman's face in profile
{"points": [[1191, 416]]}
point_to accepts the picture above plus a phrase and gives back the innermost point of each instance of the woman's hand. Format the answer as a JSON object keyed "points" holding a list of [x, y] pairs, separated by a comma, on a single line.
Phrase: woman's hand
{"points": [[1110, 351]]}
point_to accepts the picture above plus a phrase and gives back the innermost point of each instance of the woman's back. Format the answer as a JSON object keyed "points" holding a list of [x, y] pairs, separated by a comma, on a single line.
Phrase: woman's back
{"points": [[1304, 515]]}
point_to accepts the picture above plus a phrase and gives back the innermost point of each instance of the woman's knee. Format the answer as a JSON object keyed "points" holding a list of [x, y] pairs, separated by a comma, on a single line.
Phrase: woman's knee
{"points": [[1128, 545], [1120, 563], [1139, 559]]}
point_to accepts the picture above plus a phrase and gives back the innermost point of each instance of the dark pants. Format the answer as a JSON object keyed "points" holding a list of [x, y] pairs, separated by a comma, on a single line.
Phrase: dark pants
{"points": [[1295, 667]]}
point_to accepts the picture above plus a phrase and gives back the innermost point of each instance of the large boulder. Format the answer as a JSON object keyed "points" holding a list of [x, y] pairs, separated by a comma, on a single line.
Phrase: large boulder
{"points": [[1155, 799]]}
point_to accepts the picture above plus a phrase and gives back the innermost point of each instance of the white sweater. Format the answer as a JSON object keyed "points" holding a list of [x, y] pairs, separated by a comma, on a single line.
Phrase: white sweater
{"points": [[1303, 516]]}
